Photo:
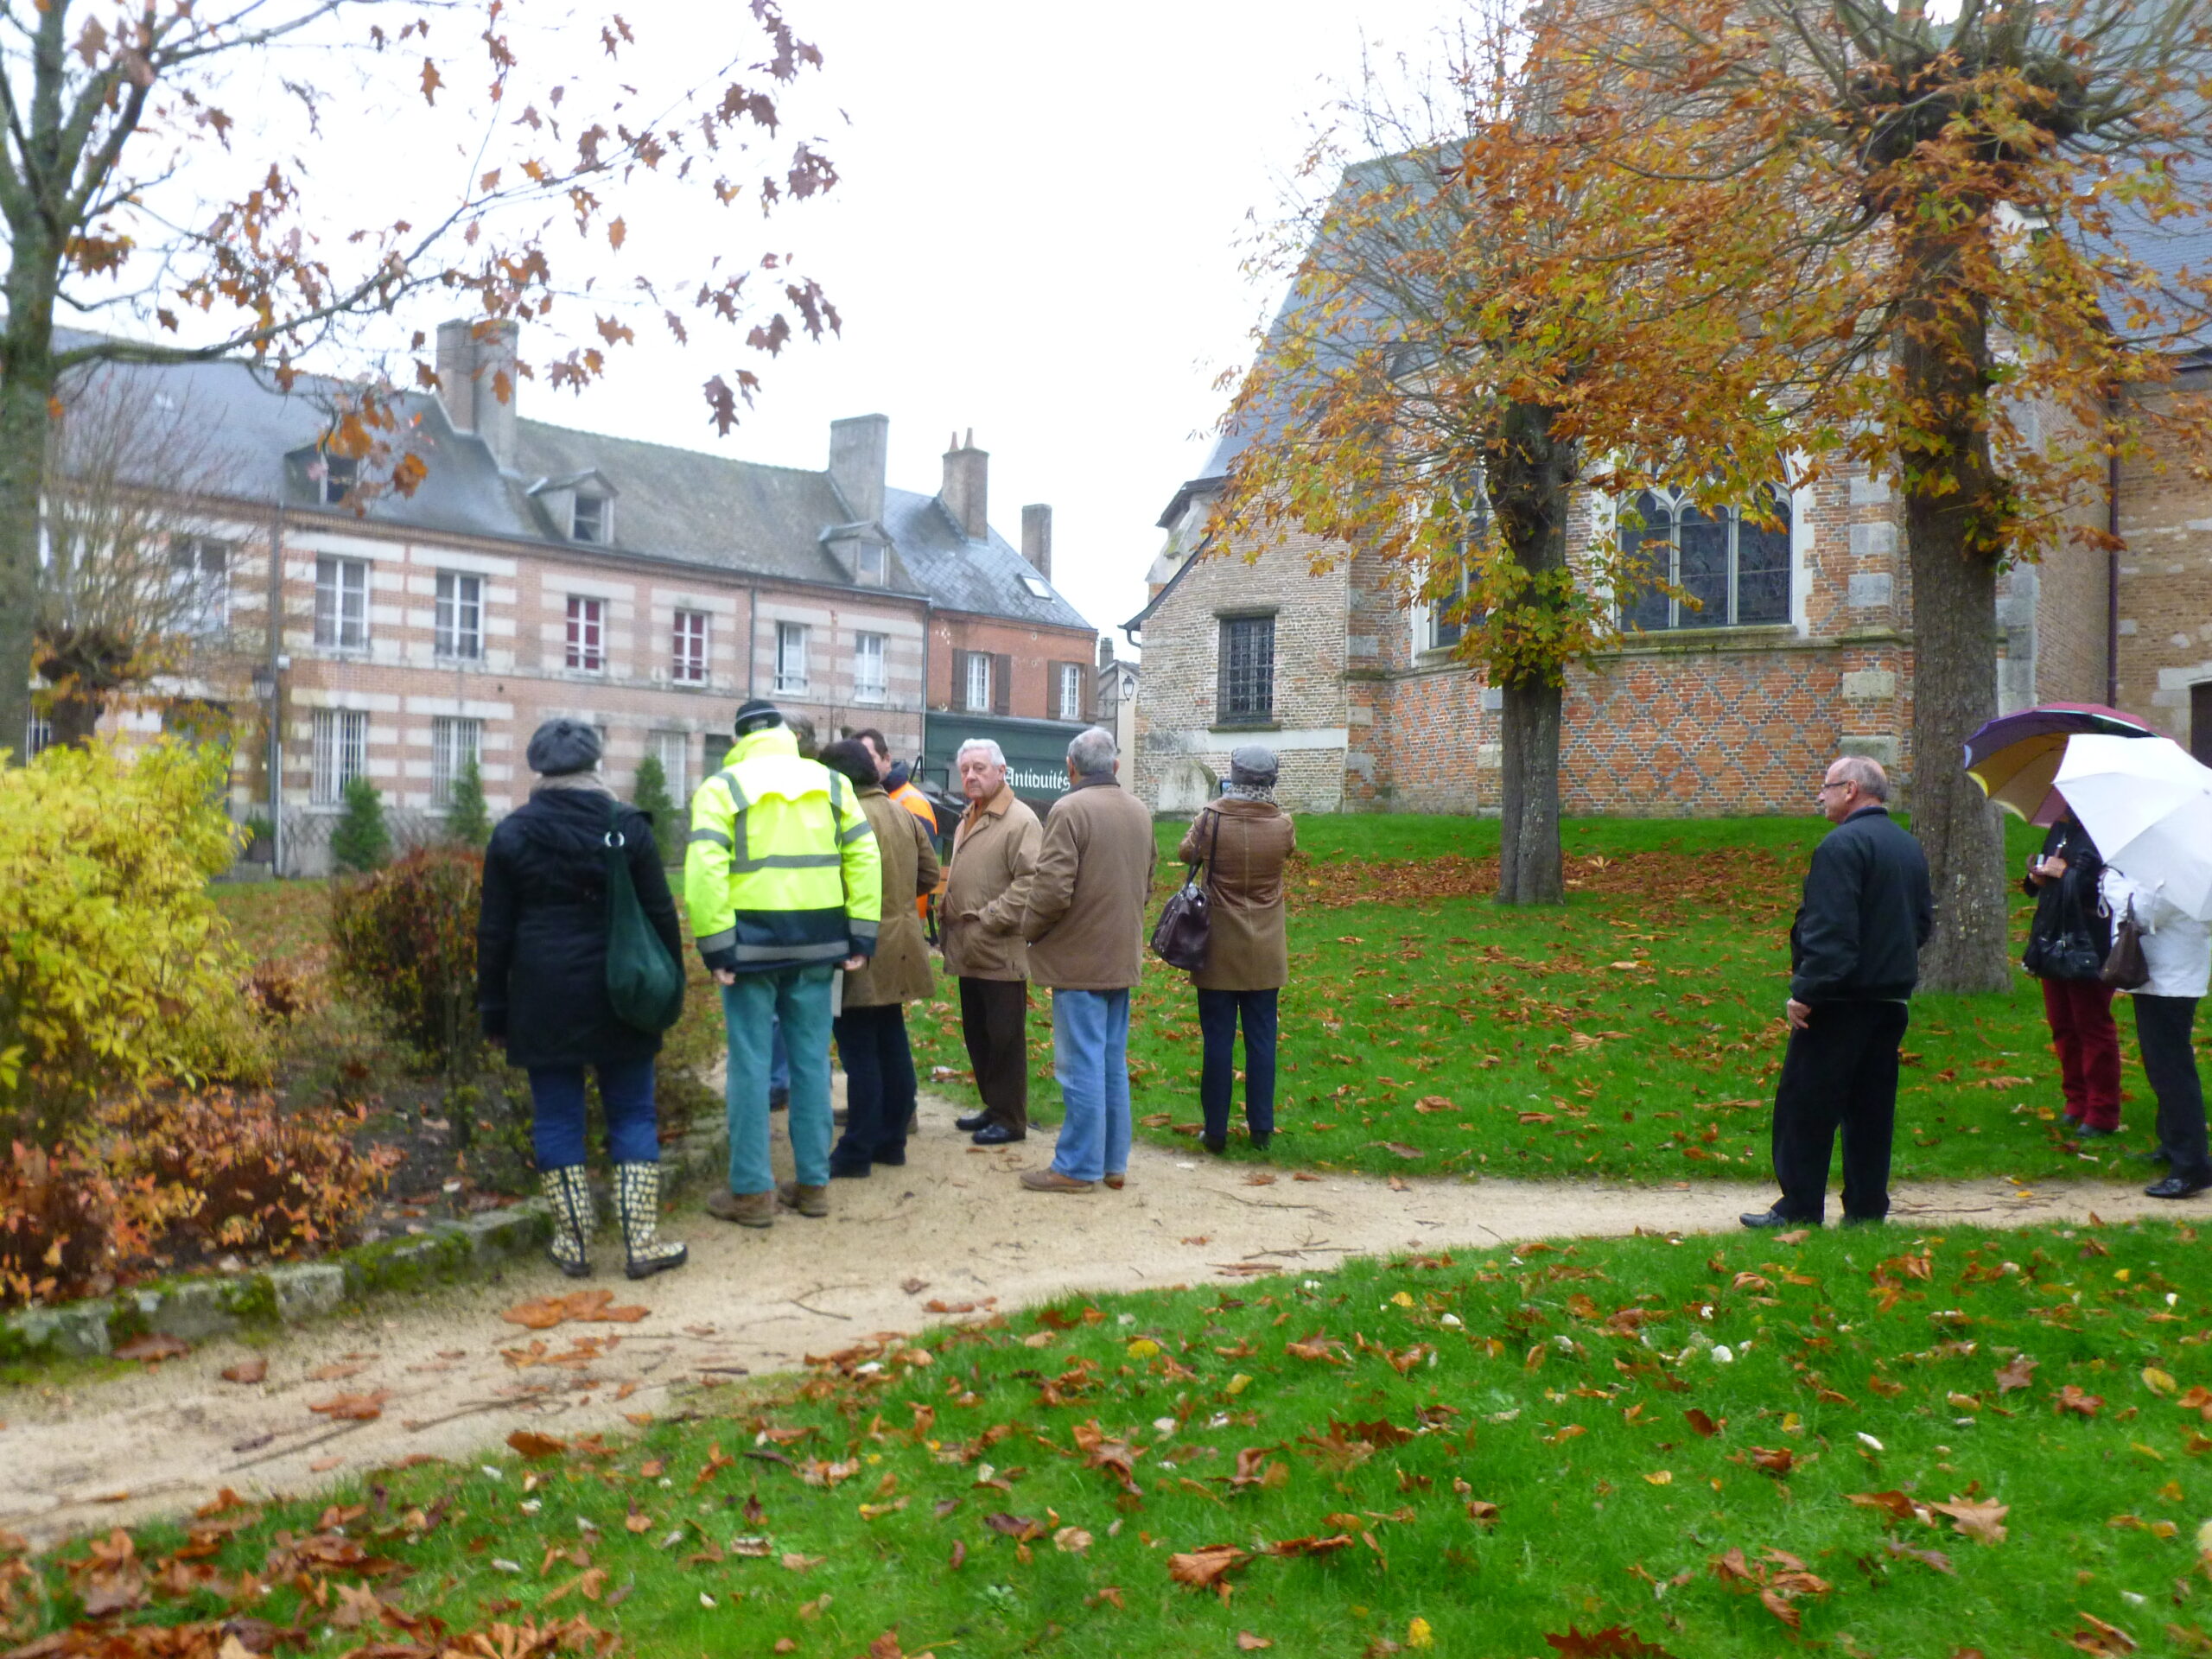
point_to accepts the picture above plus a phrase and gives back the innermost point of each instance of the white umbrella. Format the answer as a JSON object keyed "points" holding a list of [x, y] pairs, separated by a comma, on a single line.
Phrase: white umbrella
{"points": [[2148, 806]]}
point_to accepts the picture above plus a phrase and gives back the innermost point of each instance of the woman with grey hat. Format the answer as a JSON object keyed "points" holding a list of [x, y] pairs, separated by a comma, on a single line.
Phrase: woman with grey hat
{"points": [[541, 966], [1245, 839]]}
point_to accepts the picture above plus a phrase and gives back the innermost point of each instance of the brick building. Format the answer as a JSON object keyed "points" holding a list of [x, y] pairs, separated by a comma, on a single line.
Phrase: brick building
{"points": [[1802, 651], [543, 570], [1358, 691]]}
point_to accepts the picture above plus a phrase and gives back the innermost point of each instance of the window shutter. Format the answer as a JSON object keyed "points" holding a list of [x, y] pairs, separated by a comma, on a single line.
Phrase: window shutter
{"points": [[1086, 692], [1052, 709], [1002, 685], [959, 697]]}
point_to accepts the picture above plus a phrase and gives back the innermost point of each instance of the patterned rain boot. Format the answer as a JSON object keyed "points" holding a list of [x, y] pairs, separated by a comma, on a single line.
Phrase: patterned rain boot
{"points": [[637, 1201], [569, 1195]]}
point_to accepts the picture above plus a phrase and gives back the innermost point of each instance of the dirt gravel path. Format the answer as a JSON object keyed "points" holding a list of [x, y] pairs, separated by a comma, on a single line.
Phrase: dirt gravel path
{"points": [[954, 1220]]}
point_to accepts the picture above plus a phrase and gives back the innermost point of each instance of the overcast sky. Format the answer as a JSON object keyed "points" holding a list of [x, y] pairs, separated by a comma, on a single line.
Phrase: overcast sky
{"points": [[1039, 234]]}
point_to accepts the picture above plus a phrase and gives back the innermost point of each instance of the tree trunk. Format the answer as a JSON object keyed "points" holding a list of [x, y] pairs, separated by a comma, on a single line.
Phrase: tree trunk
{"points": [[1955, 535], [1529, 475], [26, 386], [76, 718], [1529, 851]]}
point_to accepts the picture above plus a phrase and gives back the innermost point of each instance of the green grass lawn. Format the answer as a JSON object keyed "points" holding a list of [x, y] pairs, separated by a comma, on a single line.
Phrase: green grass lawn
{"points": [[1635, 1033], [1897, 1445]]}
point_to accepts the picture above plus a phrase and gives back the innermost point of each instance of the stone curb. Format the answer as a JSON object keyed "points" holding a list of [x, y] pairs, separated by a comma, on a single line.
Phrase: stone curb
{"points": [[192, 1310]]}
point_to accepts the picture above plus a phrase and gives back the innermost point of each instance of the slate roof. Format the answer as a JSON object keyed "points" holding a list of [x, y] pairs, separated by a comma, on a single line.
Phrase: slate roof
{"points": [[671, 503], [986, 577]]}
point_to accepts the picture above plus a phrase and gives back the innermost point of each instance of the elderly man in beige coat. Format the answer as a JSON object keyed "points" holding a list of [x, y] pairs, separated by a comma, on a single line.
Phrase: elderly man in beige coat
{"points": [[1085, 928], [986, 891]]}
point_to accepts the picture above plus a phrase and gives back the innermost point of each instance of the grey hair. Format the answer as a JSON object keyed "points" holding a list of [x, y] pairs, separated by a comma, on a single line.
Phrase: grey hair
{"points": [[1866, 772], [1093, 752], [987, 746]]}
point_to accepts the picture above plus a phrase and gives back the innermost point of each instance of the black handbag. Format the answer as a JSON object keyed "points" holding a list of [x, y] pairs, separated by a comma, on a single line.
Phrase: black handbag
{"points": [[2071, 955], [644, 984], [2126, 969], [1185, 923]]}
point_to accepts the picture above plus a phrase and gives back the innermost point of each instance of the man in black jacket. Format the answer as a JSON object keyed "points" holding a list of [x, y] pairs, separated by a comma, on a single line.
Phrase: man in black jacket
{"points": [[1855, 958]]}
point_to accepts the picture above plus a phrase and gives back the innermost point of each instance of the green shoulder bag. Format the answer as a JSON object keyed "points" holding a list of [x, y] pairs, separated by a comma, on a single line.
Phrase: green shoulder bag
{"points": [[644, 985]]}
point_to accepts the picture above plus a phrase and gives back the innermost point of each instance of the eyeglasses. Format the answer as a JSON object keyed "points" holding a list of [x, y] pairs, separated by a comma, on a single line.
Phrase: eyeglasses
{"points": [[1824, 788]]}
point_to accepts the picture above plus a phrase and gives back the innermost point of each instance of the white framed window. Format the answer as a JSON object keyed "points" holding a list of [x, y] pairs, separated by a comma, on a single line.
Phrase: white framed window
{"points": [[38, 736], [673, 751], [790, 657], [977, 697], [200, 580], [461, 616], [342, 603], [591, 519], [341, 752], [688, 652], [587, 633], [870, 683], [1070, 689], [870, 568], [1731, 570], [455, 744]]}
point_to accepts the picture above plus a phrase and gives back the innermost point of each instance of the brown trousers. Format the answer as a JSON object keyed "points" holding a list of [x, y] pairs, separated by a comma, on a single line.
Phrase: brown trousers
{"points": [[993, 1016]]}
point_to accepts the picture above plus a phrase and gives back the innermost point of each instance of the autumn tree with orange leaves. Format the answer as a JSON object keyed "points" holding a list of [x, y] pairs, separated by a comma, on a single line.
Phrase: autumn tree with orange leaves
{"points": [[1503, 320], [1967, 297], [294, 182]]}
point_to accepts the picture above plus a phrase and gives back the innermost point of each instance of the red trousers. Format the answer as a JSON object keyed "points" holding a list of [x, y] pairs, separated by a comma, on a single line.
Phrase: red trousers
{"points": [[2081, 1030]]}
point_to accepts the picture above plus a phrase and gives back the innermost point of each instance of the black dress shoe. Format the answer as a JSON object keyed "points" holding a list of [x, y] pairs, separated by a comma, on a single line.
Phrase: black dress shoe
{"points": [[1865, 1221], [847, 1171], [997, 1134], [1774, 1218], [1261, 1138], [2094, 1134], [972, 1122], [1214, 1144], [778, 1099], [2176, 1186], [891, 1157]]}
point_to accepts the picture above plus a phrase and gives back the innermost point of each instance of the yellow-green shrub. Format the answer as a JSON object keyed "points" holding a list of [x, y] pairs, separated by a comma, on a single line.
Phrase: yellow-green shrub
{"points": [[115, 969]]}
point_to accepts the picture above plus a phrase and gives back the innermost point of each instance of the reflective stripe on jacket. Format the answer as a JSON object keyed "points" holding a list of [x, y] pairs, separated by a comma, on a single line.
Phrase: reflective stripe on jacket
{"points": [[781, 869]]}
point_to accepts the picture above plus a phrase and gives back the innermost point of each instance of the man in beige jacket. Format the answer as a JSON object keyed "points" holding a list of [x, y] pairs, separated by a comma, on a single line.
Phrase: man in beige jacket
{"points": [[986, 891], [1085, 927]]}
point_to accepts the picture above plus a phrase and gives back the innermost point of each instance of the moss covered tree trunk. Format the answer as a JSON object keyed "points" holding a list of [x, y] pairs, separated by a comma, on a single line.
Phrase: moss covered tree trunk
{"points": [[1528, 474], [1955, 533], [26, 388]]}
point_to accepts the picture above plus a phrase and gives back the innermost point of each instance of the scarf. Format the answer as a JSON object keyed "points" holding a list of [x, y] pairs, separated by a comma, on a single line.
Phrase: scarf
{"points": [[589, 782], [1264, 793]]}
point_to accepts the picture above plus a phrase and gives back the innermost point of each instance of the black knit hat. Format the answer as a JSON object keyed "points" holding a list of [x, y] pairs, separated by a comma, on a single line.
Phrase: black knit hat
{"points": [[563, 746], [756, 714]]}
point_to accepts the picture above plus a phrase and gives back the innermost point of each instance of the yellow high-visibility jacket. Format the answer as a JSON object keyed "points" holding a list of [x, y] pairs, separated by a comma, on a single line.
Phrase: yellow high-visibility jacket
{"points": [[781, 870]]}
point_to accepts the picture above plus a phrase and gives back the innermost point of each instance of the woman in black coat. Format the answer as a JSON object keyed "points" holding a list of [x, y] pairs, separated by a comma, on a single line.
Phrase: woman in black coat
{"points": [[541, 965], [2067, 944]]}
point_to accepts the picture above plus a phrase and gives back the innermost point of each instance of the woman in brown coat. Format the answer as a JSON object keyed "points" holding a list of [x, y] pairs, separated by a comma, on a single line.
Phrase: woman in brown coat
{"points": [[1245, 839], [871, 1030]]}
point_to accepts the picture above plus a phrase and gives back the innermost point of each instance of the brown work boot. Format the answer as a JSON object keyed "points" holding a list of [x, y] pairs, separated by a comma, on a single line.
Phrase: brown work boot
{"points": [[807, 1200], [1051, 1180], [746, 1209]]}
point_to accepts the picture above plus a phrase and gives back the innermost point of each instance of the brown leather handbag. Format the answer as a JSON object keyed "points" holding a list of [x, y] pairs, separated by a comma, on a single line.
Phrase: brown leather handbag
{"points": [[1186, 924], [2126, 969]]}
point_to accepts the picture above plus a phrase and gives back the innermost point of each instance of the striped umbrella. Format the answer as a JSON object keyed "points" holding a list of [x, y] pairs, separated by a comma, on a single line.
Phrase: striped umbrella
{"points": [[2015, 757]]}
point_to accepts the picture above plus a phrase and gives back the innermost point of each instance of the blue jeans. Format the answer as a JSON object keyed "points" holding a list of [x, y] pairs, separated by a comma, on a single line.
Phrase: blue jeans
{"points": [[1219, 1011], [1090, 1057], [557, 1113], [798, 1000], [780, 1059]]}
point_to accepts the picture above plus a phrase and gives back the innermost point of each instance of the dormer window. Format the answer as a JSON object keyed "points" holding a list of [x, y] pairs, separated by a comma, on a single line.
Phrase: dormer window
{"points": [[870, 567], [591, 519], [1037, 587], [335, 476]]}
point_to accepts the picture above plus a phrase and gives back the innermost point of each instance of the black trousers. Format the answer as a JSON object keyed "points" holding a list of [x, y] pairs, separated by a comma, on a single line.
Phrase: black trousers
{"points": [[2162, 1032], [879, 1086], [993, 1018], [1839, 1073], [1219, 1013]]}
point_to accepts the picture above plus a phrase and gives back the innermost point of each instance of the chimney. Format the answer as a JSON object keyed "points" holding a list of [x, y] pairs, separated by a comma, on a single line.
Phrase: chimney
{"points": [[1105, 650], [472, 356], [859, 448], [1037, 538], [966, 492]]}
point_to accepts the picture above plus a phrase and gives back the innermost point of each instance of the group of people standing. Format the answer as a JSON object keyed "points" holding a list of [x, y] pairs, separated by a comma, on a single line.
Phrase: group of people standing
{"points": [[806, 879]]}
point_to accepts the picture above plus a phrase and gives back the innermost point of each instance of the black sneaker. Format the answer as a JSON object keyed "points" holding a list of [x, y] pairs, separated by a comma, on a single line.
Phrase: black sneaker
{"points": [[1775, 1219]]}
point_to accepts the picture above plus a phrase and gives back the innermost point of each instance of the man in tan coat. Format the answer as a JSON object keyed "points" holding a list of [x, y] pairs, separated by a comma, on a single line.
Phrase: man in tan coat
{"points": [[1085, 927], [986, 891]]}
